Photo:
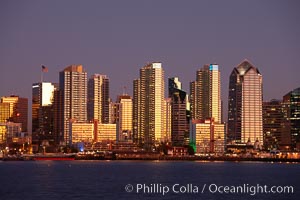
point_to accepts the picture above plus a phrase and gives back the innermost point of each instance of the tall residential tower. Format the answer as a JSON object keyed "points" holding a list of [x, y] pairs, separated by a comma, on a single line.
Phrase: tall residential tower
{"points": [[73, 86], [206, 94], [207, 131], [148, 108]]}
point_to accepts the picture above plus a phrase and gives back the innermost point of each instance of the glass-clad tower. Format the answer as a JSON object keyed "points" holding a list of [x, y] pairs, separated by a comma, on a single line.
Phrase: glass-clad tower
{"points": [[245, 124], [43, 111]]}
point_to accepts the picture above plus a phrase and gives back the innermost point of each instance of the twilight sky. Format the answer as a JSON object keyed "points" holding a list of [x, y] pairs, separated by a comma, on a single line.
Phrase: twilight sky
{"points": [[117, 38]]}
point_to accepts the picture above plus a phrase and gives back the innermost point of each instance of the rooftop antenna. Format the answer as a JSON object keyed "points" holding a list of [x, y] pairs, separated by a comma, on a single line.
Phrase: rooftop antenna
{"points": [[124, 90]]}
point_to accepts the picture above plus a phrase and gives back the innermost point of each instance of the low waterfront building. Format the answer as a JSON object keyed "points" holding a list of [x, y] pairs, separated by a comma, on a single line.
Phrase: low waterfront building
{"points": [[207, 136], [107, 132], [9, 130], [81, 132]]}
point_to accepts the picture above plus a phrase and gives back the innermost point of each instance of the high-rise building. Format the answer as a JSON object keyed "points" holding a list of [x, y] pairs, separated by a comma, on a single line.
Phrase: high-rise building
{"points": [[43, 112], [98, 98], [73, 86], [124, 117], [291, 128], [149, 105], [245, 124], [272, 123], [18, 110], [58, 122], [206, 94], [179, 119]]}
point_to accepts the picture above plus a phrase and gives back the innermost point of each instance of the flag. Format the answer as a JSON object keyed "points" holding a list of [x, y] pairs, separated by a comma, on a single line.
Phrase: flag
{"points": [[44, 69]]}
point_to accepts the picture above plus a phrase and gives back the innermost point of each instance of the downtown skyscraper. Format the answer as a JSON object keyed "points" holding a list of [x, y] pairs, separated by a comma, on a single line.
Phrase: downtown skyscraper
{"points": [[207, 132], [98, 98], [149, 105], [206, 94], [43, 112], [179, 112], [245, 124], [73, 87]]}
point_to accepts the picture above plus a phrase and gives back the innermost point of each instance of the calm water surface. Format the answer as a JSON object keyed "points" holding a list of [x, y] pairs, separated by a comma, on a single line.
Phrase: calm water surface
{"points": [[107, 179]]}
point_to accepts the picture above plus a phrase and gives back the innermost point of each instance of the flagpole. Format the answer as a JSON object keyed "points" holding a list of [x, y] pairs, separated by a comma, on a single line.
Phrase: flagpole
{"points": [[44, 69], [42, 76]]}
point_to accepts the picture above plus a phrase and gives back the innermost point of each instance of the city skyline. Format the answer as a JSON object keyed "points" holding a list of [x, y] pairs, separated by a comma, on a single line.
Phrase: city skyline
{"points": [[207, 67], [65, 109], [149, 99], [108, 40]]}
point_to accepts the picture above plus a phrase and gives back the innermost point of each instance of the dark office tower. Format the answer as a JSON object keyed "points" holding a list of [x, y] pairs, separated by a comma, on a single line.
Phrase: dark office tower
{"points": [[272, 124], [149, 106], [179, 120], [18, 110], [245, 123], [73, 85], [98, 99], [58, 122], [206, 94], [43, 112], [291, 108]]}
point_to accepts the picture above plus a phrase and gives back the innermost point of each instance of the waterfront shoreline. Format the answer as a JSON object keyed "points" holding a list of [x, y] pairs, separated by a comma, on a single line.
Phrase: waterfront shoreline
{"points": [[162, 158]]}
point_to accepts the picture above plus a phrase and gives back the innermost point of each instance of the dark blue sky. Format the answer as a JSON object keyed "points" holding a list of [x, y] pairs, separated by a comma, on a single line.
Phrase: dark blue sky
{"points": [[117, 38]]}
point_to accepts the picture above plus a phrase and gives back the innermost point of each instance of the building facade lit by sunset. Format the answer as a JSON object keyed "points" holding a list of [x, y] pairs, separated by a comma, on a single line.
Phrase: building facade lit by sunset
{"points": [[206, 94], [9, 131], [245, 124], [123, 114], [81, 132], [4, 112], [149, 105], [107, 132], [43, 112], [18, 110], [207, 136], [98, 98], [73, 86]]}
